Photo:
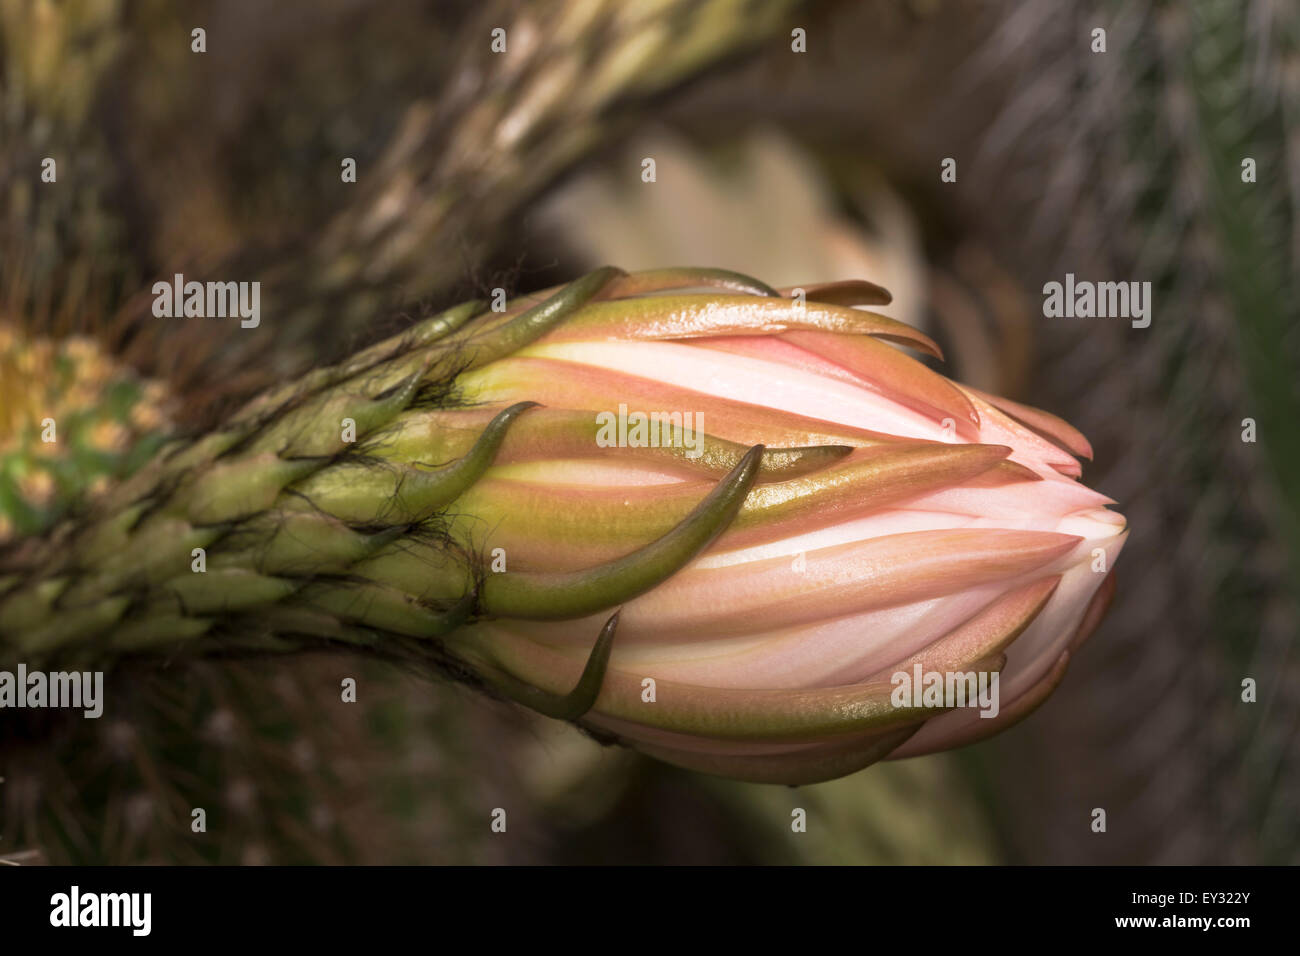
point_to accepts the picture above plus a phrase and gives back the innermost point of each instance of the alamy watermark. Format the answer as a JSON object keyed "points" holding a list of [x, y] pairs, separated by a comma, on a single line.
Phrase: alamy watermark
{"points": [[83, 690], [209, 300], [74, 908], [946, 689], [651, 430], [1102, 300]]}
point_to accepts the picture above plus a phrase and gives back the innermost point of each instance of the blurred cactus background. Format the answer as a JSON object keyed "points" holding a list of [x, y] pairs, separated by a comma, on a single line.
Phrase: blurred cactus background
{"points": [[520, 169]]}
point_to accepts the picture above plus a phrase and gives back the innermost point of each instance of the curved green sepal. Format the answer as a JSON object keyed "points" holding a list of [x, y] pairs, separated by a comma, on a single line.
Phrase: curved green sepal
{"points": [[687, 277], [705, 315], [537, 321], [575, 704], [849, 292], [316, 429], [552, 596], [364, 493], [298, 543], [556, 433], [422, 333]]}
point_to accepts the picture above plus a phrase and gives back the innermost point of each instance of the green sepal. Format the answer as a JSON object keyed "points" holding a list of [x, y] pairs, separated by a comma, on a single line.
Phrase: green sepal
{"points": [[360, 492], [382, 607], [227, 589], [28, 608], [577, 702], [316, 428], [72, 624], [159, 549], [478, 350], [231, 490], [158, 629], [559, 595], [298, 543]]}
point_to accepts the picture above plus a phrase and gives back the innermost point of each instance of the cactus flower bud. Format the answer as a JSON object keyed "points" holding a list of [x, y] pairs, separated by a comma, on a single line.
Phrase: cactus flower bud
{"points": [[737, 529]]}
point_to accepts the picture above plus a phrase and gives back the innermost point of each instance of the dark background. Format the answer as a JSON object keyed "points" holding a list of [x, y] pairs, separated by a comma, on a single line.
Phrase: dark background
{"points": [[478, 170]]}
